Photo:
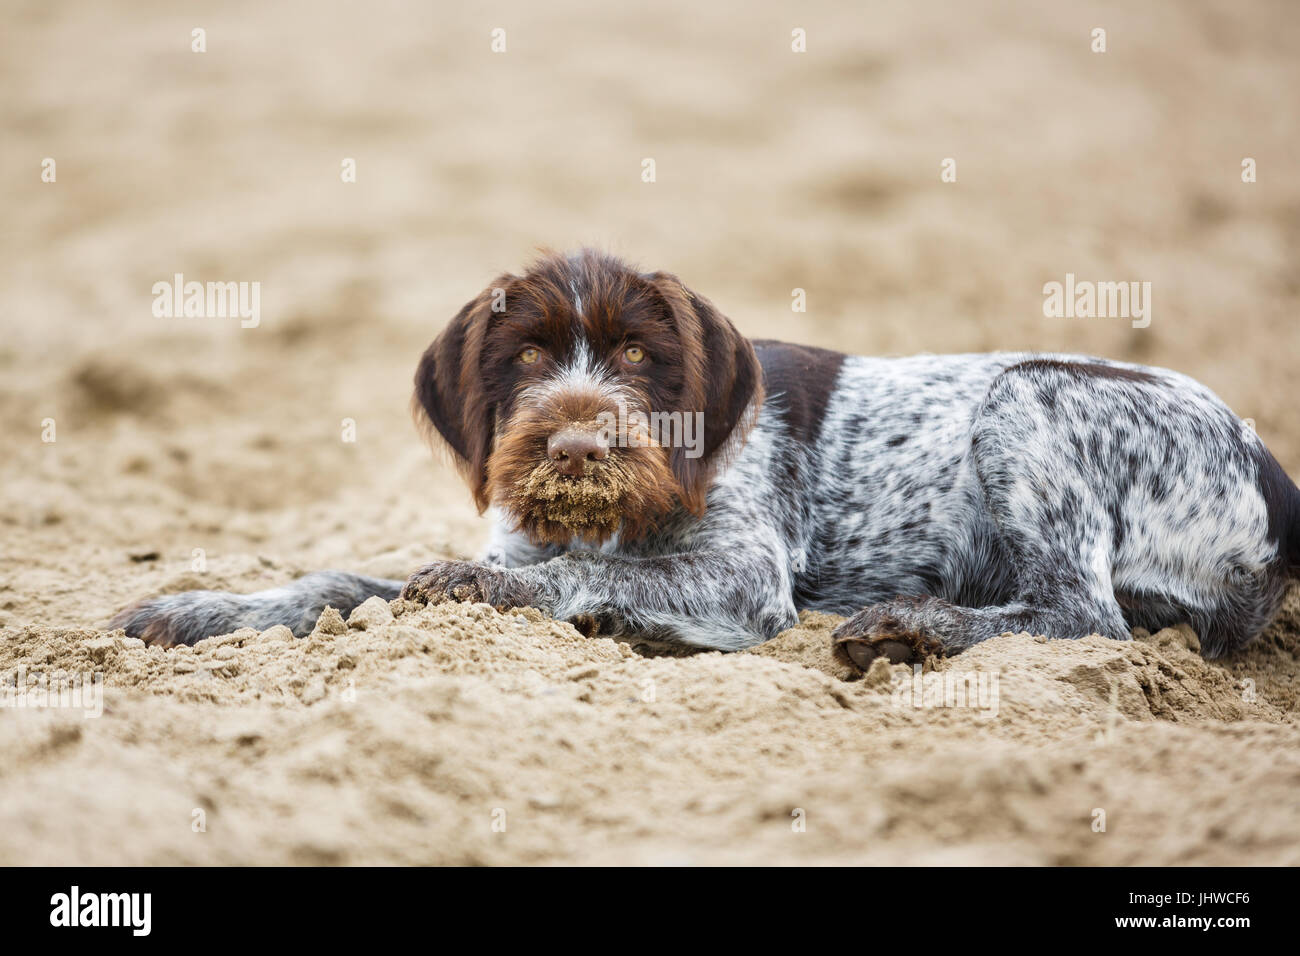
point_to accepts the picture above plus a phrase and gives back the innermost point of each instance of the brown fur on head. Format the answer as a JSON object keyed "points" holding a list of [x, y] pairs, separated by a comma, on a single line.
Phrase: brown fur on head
{"points": [[580, 315]]}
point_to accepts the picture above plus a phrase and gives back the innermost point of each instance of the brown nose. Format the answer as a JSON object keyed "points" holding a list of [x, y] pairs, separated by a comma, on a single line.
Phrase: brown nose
{"points": [[572, 448]]}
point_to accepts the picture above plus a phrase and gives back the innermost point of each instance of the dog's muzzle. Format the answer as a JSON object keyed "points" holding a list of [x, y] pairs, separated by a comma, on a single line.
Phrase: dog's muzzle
{"points": [[574, 449]]}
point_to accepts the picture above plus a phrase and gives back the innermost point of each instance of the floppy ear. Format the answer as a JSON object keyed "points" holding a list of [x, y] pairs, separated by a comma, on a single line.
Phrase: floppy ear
{"points": [[722, 379], [449, 394]]}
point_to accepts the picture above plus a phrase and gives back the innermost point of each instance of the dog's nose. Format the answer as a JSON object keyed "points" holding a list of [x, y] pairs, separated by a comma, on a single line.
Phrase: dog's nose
{"points": [[572, 448]]}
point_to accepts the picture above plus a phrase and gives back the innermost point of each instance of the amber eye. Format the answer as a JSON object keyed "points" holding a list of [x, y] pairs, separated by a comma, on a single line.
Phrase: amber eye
{"points": [[530, 355], [634, 354]]}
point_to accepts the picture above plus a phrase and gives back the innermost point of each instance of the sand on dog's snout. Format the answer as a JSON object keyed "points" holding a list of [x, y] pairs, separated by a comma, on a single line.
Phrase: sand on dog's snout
{"points": [[587, 506]]}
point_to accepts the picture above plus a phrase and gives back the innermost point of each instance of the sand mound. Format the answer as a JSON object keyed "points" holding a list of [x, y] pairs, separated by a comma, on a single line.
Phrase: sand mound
{"points": [[457, 734]]}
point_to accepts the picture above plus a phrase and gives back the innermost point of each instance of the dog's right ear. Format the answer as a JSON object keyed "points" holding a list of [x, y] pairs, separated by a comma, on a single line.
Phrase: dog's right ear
{"points": [[449, 395]]}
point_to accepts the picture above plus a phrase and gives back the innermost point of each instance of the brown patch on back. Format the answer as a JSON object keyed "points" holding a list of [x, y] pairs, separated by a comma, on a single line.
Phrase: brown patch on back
{"points": [[1085, 370]]}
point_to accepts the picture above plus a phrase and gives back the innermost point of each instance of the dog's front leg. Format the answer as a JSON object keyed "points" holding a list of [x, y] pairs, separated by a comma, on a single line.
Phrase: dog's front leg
{"points": [[719, 598]]}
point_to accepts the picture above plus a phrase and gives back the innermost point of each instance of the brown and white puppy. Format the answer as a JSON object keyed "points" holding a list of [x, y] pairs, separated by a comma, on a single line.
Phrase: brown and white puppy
{"points": [[651, 471]]}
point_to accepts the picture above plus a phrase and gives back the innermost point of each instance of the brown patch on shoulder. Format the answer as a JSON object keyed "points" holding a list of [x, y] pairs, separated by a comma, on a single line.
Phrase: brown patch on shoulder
{"points": [[802, 377], [800, 380]]}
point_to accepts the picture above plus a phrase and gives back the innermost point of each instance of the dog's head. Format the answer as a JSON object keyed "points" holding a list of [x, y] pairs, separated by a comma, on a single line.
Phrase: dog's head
{"points": [[584, 398]]}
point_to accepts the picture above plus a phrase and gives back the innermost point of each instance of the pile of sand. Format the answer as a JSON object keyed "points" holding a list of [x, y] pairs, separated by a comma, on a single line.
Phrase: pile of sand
{"points": [[457, 734]]}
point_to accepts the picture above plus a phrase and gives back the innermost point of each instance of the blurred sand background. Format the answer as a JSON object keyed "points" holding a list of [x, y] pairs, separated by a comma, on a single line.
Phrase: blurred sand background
{"points": [[400, 740]]}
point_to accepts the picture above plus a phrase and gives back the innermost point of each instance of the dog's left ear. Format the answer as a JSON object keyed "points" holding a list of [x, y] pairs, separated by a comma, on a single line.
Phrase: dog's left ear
{"points": [[722, 379]]}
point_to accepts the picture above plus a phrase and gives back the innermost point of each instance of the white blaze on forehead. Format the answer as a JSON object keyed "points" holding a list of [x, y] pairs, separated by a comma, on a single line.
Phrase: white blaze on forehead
{"points": [[583, 363], [581, 373], [577, 297]]}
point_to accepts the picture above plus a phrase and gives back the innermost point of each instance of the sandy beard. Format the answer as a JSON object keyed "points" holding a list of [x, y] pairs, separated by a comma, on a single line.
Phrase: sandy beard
{"points": [[629, 492]]}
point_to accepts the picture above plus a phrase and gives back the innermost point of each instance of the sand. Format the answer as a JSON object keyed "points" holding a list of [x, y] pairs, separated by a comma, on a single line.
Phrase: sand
{"points": [[195, 453], [457, 734]]}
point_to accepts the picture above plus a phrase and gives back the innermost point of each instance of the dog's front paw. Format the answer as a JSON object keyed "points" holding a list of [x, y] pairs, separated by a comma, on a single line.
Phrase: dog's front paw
{"points": [[470, 582], [896, 631]]}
